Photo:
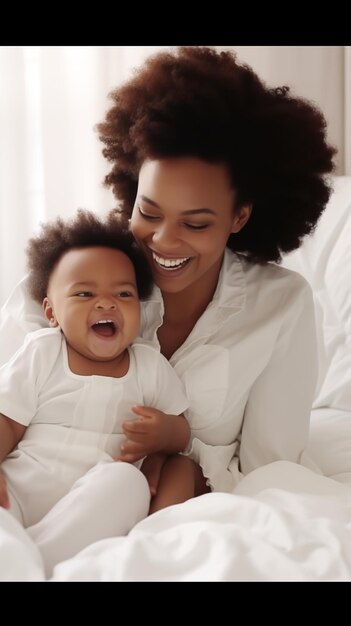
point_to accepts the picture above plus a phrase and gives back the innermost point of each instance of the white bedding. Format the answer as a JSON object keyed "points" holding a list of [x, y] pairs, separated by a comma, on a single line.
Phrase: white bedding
{"points": [[284, 522], [271, 534]]}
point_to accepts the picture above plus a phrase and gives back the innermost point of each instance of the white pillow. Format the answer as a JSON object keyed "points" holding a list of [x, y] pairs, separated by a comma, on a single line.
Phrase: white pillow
{"points": [[330, 443], [19, 316], [325, 261]]}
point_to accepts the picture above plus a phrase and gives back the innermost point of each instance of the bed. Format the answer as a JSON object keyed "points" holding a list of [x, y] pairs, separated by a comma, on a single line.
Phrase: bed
{"points": [[284, 522]]}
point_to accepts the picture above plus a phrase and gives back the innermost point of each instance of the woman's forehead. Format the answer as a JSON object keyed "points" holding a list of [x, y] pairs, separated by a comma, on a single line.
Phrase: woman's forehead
{"points": [[189, 182]]}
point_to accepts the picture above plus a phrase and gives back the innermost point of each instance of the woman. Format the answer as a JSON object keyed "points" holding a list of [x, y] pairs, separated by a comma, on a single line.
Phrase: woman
{"points": [[219, 175], [207, 162]]}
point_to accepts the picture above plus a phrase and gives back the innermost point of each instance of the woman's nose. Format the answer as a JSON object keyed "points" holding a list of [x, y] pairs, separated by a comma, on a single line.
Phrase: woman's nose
{"points": [[166, 236]]}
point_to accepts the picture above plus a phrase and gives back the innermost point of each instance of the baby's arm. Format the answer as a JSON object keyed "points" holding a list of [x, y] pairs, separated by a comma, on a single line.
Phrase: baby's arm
{"points": [[11, 433]]}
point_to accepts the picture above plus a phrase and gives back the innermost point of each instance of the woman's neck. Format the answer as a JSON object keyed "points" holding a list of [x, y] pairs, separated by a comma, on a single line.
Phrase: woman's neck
{"points": [[183, 309], [189, 304]]}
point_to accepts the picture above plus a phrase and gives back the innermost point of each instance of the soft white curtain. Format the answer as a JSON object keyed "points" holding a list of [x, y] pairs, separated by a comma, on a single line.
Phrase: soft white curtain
{"points": [[51, 98], [347, 109]]}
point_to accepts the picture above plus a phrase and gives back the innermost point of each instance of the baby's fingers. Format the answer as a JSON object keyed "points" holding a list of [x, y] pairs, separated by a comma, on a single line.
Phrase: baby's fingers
{"points": [[131, 452], [135, 437], [129, 457], [134, 427]]}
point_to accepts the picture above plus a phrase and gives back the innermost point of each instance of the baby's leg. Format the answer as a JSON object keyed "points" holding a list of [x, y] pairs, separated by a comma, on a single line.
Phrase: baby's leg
{"points": [[151, 468], [181, 479], [106, 502]]}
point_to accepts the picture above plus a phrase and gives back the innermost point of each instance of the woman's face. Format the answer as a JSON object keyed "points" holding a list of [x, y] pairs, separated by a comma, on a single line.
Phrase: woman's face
{"points": [[182, 218]]}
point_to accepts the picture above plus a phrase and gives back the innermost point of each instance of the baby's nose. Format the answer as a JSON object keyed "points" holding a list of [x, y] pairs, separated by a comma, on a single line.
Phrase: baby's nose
{"points": [[106, 303]]}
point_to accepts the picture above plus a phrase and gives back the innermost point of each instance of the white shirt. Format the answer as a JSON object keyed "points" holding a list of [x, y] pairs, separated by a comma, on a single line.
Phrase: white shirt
{"points": [[73, 421], [249, 366]]}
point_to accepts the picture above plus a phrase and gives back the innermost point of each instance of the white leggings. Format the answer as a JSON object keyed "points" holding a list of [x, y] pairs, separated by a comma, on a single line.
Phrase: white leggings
{"points": [[106, 502]]}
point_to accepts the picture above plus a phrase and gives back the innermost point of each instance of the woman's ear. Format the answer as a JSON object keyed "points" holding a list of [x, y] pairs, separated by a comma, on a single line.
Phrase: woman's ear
{"points": [[241, 218], [49, 313]]}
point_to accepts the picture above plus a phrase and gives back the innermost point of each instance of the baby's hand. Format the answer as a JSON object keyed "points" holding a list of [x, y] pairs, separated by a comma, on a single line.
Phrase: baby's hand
{"points": [[151, 469], [4, 496], [154, 431]]}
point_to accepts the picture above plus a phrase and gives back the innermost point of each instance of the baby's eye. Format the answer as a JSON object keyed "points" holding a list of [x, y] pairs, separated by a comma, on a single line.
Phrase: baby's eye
{"points": [[84, 294], [125, 294]]}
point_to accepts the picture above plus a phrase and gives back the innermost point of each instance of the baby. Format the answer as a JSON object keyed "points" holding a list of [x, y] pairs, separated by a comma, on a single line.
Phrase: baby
{"points": [[69, 397]]}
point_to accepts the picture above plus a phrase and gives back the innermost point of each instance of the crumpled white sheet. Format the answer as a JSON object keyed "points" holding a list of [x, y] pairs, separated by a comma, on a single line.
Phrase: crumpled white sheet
{"points": [[20, 559], [264, 532], [220, 537]]}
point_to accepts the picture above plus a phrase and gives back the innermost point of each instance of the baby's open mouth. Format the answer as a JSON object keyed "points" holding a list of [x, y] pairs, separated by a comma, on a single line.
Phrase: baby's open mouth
{"points": [[105, 328]]}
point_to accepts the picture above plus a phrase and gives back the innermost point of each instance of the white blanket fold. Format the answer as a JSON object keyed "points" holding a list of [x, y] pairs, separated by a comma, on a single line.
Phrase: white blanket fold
{"points": [[284, 523]]}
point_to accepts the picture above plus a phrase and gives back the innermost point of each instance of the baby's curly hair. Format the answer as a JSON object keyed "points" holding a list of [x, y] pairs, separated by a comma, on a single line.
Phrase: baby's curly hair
{"points": [[196, 101], [82, 231]]}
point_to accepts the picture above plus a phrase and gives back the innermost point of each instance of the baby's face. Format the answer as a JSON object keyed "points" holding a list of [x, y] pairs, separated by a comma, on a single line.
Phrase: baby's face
{"points": [[93, 297]]}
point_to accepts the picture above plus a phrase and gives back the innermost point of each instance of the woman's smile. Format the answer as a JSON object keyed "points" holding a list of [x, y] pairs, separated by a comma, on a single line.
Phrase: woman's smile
{"points": [[168, 264]]}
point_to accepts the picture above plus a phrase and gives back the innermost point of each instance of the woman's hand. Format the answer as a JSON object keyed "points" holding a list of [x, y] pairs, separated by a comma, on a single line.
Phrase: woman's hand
{"points": [[4, 496], [154, 431]]}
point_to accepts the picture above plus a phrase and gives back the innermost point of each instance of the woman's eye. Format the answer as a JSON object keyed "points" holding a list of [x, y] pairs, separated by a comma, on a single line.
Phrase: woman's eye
{"points": [[154, 218], [197, 226], [147, 216]]}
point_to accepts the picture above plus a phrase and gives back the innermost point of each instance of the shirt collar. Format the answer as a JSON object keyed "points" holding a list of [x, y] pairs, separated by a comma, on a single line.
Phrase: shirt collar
{"points": [[231, 287]]}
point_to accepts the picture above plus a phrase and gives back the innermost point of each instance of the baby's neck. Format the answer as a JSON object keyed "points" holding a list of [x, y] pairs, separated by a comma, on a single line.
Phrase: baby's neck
{"points": [[83, 366]]}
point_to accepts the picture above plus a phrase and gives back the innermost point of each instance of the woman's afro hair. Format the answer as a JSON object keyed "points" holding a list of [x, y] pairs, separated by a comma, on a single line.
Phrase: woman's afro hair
{"points": [[196, 101], [82, 231]]}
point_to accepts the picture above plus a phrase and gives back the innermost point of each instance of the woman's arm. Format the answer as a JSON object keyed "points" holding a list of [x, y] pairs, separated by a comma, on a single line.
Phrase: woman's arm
{"points": [[277, 414]]}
